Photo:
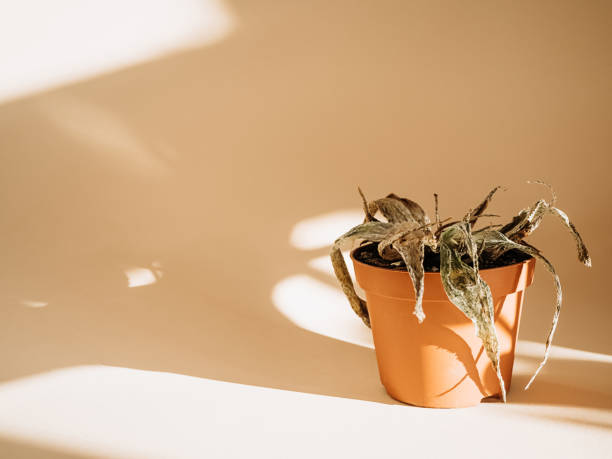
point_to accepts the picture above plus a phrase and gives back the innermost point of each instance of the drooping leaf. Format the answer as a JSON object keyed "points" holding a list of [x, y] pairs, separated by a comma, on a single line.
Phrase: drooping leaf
{"points": [[399, 230], [412, 251], [404, 217], [497, 242], [369, 231], [346, 283], [466, 290], [583, 253], [553, 195], [526, 222]]}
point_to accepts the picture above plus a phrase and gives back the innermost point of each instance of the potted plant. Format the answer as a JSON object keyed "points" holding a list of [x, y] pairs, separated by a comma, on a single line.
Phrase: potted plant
{"points": [[441, 294]]}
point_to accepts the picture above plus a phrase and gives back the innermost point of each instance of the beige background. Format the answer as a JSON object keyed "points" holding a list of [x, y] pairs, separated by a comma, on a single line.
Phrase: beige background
{"points": [[204, 160]]}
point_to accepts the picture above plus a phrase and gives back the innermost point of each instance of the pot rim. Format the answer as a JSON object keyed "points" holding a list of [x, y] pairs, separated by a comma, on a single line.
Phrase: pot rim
{"points": [[355, 260]]}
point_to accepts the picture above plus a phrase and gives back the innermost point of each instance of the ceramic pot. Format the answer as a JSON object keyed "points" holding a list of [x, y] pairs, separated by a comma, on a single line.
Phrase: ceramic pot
{"points": [[440, 363]]}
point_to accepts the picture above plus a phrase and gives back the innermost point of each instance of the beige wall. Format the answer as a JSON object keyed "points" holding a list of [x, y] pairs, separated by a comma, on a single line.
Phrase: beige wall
{"points": [[204, 160]]}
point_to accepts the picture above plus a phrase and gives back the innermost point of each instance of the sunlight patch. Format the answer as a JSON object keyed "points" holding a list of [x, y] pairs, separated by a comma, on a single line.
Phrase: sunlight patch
{"points": [[47, 44], [33, 304], [322, 231], [138, 277], [320, 308]]}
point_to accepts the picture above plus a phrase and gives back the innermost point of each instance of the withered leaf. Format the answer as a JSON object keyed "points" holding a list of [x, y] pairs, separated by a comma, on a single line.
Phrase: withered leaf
{"points": [[399, 230], [370, 231], [498, 243], [366, 208], [529, 219], [466, 290], [526, 222], [398, 210], [583, 253], [357, 304], [412, 251], [480, 208], [417, 212], [436, 211]]}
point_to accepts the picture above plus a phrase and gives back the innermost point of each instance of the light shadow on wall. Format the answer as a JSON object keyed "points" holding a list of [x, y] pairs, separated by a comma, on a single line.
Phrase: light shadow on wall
{"points": [[48, 44]]}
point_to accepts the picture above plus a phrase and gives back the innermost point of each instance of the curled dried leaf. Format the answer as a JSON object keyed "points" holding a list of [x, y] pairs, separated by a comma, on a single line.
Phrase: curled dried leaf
{"points": [[550, 188], [398, 210]]}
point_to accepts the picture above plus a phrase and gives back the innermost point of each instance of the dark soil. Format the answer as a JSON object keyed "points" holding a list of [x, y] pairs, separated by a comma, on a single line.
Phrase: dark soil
{"points": [[369, 254]]}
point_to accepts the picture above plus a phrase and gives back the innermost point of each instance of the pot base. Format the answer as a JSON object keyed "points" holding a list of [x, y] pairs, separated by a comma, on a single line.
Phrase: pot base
{"points": [[432, 404]]}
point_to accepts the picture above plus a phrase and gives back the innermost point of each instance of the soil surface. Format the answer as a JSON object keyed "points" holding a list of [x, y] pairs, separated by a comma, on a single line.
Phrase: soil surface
{"points": [[369, 254]]}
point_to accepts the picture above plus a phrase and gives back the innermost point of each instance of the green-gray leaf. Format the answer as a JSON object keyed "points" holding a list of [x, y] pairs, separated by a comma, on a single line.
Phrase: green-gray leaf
{"points": [[412, 250], [466, 290]]}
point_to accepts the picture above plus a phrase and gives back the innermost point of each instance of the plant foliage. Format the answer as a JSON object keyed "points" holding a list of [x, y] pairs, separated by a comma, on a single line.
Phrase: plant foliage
{"points": [[405, 233]]}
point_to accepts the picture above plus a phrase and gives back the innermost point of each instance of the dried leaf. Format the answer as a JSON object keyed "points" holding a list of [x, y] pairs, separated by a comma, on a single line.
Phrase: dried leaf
{"points": [[369, 231], [480, 208], [583, 253], [550, 188], [412, 251], [498, 243], [466, 290], [398, 210], [399, 230], [445, 226], [436, 211], [529, 219], [369, 217], [526, 222], [341, 271], [485, 228]]}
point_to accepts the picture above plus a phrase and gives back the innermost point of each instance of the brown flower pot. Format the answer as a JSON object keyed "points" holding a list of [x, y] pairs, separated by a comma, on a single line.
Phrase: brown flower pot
{"points": [[440, 363]]}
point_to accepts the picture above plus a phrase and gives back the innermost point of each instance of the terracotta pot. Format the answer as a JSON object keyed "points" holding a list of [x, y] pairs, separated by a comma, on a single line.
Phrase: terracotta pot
{"points": [[441, 362]]}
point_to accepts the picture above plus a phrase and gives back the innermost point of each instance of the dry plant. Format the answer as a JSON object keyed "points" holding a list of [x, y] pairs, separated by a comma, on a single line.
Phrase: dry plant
{"points": [[407, 233]]}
